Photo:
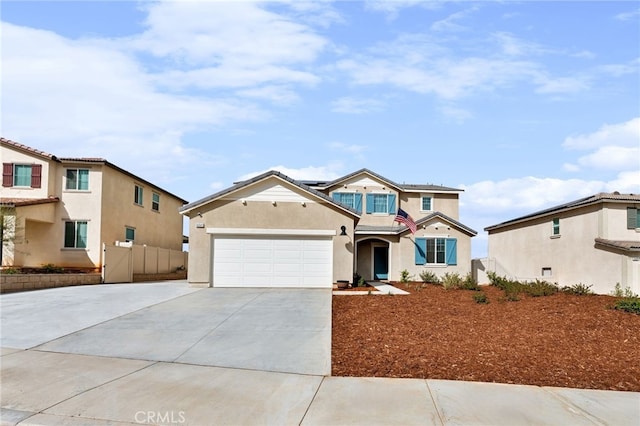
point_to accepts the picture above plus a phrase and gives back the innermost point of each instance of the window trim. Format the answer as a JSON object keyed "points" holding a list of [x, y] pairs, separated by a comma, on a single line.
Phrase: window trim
{"points": [[138, 199], [15, 175], [77, 188], [555, 227], [129, 228], [155, 205], [422, 197], [76, 234], [450, 251], [391, 203]]}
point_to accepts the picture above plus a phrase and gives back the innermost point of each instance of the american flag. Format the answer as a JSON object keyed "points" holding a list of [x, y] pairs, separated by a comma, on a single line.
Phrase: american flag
{"points": [[403, 217]]}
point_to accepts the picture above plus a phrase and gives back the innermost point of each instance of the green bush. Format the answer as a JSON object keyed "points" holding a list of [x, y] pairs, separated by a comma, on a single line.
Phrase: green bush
{"points": [[511, 288], [429, 277], [628, 304], [451, 281], [405, 277], [578, 289], [10, 271], [630, 301], [539, 288], [50, 268], [468, 283], [480, 298]]}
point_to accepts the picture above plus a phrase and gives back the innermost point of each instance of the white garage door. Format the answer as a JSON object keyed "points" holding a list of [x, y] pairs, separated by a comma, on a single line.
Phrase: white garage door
{"points": [[241, 261]]}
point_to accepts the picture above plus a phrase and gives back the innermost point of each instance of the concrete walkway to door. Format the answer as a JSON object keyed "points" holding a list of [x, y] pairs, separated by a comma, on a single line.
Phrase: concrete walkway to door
{"points": [[165, 353]]}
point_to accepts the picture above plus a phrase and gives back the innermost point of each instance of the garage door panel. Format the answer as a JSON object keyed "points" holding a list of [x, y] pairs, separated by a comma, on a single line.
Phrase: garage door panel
{"points": [[272, 262]]}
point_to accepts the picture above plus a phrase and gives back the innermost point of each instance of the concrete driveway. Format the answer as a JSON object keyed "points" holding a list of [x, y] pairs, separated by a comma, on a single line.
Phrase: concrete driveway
{"points": [[168, 354], [284, 330]]}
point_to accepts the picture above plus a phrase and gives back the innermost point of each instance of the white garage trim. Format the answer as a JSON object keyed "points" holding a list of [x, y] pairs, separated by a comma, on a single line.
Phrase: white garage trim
{"points": [[272, 260], [274, 232]]}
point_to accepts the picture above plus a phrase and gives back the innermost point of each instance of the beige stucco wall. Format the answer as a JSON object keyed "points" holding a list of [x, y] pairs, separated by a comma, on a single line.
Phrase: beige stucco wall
{"points": [[232, 213], [522, 251], [411, 202], [157, 229], [47, 188]]}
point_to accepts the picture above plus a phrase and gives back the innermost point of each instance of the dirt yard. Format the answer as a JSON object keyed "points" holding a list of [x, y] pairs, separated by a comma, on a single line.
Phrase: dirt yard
{"points": [[560, 340]]}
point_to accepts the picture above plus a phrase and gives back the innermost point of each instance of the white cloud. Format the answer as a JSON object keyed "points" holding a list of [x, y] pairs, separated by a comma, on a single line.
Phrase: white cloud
{"points": [[277, 94], [620, 134], [571, 167], [628, 16], [329, 172], [450, 23], [392, 7], [457, 114], [612, 158], [348, 105]]}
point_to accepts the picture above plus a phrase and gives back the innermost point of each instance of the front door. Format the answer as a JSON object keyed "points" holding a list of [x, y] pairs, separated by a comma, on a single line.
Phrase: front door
{"points": [[380, 263]]}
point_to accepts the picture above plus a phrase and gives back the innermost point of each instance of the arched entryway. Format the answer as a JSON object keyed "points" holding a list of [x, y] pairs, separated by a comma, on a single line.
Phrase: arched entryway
{"points": [[372, 259]]}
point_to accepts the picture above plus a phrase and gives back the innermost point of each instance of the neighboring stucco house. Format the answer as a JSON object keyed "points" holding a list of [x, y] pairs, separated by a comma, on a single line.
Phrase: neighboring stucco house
{"points": [[594, 241], [275, 231], [61, 210]]}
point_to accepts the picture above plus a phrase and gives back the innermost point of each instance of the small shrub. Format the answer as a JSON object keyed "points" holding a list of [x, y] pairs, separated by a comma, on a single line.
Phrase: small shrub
{"points": [[480, 298], [451, 281], [405, 277], [630, 301], [356, 279], [50, 268], [468, 283], [361, 282], [578, 289], [539, 288], [10, 271], [617, 291], [429, 277], [628, 304]]}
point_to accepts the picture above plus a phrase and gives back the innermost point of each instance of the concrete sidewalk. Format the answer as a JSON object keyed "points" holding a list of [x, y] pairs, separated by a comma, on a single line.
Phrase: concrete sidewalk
{"points": [[168, 354]]}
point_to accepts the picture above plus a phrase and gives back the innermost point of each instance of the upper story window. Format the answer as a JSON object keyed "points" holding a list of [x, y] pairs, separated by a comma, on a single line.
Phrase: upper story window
{"points": [[349, 199], [155, 202], [555, 226], [426, 203], [75, 234], [22, 175], [77, 179], [137, 195], [633, 218], [381, 203]]}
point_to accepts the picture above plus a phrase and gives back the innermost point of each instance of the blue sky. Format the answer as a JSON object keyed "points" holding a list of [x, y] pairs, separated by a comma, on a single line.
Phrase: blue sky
{"points": [[523, 105]]}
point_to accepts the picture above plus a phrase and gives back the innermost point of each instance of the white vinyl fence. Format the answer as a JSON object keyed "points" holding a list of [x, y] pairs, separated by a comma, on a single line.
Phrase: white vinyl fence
{"points": [[122, 260]]}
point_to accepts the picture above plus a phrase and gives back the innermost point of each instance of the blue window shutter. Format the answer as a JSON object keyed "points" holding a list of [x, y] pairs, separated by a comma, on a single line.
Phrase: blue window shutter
{"points": [[451, 253], [391, 202], [369, 203], [421, 251], [359, 202]]}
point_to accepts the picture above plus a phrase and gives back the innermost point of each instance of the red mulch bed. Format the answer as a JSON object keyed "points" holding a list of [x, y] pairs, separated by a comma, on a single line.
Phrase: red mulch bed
{"points": [[561, 340]]}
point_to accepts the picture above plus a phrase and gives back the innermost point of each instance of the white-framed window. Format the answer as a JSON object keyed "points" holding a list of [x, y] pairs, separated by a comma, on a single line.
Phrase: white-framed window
{"points": [[155, 202], [633, 218], [75, 234], [426, 203], [22, 175], [129, 234], [381, 203], [77, 179], [436, 251], [137, 194], [555, 227]]}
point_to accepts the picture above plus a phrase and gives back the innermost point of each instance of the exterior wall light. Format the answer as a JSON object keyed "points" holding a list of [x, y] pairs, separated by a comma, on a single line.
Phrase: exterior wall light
{"points": [[343, 231]]}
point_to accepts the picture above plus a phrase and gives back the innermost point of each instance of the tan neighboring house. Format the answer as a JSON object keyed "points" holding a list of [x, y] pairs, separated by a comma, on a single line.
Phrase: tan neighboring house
{"points": [[274, 231], [594, 241], [61, 210]]}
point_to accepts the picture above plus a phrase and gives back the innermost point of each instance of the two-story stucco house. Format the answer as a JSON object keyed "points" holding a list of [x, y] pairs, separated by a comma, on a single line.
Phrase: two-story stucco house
{"points": [[594, 241], [276, 231], [61, 210]]}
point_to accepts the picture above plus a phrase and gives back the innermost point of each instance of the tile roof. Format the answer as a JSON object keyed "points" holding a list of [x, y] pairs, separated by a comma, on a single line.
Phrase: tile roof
{"points": [[21, 202], [401, 187], [28, 149], [592, 199], [263, 176], [84, 160], [399, 229], [620, 244]]}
